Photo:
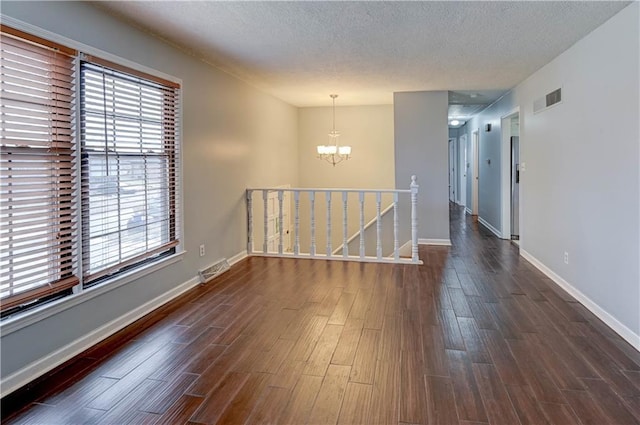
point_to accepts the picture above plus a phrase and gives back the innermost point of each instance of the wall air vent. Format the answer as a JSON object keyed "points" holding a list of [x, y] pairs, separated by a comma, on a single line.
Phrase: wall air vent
{"points": [[213, 270], [547, 101]]}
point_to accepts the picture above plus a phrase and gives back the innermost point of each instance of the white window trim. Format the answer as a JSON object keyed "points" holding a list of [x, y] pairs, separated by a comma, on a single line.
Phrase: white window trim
{"points": [[23, 319]]}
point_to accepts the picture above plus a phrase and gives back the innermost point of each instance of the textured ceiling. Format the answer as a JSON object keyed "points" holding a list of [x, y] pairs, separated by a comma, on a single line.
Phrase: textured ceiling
{"points": [[302, 51]]}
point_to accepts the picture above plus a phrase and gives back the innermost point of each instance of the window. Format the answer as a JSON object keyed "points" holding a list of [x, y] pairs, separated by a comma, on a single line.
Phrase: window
{"points": [[37, 209], [128, 132], [79, 205]]}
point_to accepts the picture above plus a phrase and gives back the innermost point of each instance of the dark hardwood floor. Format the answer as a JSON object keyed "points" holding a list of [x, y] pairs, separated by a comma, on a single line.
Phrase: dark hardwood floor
{"points": [[475, 336]]}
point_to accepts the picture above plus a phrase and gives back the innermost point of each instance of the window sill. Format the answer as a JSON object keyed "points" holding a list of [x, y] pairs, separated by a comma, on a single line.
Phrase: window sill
{"points": [[22, 320]]}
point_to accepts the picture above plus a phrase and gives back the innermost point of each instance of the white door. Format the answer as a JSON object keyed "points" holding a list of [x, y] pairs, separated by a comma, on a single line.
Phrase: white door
{"points": [[452, 170], [274, 224], [475, 156], [462, 170]]}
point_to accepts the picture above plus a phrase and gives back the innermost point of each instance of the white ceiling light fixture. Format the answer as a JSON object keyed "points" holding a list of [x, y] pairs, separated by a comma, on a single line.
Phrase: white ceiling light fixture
{"points": [[334, 153], [455, 122]]}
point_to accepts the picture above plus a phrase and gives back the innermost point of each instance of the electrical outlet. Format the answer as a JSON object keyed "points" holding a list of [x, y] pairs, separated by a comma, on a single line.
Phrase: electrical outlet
{"points": [[202, 250], [566, 257]]}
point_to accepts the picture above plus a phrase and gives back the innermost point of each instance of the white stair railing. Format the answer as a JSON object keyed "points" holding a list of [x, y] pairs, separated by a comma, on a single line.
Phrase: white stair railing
{"points": [[274, 230]]}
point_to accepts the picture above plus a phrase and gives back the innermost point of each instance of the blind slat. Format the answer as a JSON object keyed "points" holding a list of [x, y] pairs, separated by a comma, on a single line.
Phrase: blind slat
{"points": [[37, 157], [130, 191]]}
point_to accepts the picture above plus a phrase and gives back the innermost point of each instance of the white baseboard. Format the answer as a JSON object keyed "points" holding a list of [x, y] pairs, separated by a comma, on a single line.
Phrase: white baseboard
{"points": [[486, 224], [43, 365], [468, 210], [626, 333], [441, 242], [238, 257]]}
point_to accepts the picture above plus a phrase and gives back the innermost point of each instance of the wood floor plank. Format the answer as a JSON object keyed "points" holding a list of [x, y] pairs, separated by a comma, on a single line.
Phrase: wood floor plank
{"points": [[611, 405], [468, 399], [302, 400], [481, 313], [125, 411], [181, 410], [472, 341], [364, 363], [501, 357], [412, 389], [356, 404], [361, 304], [342, 309], [435, 355], [585, 407], [389, 349], [498, 406], [526, 407], [451, 331], [459, 302], [271, 361], [310, 334], [160, 401], [214, 404], [385, 394], [240, 407], [329, 400], [270, 407], [559, 414], [535, 374], [321, 356], [441, 406], [348, 343]]}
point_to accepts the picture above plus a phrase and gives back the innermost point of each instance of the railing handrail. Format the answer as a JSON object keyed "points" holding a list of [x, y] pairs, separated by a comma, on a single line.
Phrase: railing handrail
{"points": [[314, 189]]}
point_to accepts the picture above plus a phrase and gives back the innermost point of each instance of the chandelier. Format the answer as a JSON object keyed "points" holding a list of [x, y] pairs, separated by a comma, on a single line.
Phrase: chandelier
{"points": [[333, 153]]}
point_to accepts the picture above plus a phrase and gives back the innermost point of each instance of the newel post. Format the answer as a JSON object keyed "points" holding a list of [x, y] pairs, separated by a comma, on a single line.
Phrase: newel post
{"points": [[414, 219]]}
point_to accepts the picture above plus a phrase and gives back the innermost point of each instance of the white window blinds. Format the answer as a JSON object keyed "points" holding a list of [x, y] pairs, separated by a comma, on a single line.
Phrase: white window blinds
{"points": [[37, 157], [129, 167]]}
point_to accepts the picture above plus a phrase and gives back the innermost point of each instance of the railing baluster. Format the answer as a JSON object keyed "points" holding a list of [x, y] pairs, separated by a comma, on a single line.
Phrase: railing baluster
{"points": [[296, 200], [378, 225], [345, 244], [274, 224], [265, 245], [249, 222], [312, 198], [280, 226], [361, 224], [414, 220], [396, 244], [328, 197]]}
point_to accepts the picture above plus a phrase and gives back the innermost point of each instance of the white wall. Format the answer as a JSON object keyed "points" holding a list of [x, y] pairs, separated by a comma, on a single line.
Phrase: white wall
{"points": [[421, 131], [234, 136], [580, 191], [369, 131]]}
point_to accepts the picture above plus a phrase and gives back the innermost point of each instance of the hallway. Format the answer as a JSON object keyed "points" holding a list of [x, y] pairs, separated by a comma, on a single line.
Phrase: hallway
{"points": [[475, 335]]}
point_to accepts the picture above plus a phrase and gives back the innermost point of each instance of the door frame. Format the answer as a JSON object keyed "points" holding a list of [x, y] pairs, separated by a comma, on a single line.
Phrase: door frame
{"points": [[453, 195], [475, 166], [505, 172], [462, 169]]}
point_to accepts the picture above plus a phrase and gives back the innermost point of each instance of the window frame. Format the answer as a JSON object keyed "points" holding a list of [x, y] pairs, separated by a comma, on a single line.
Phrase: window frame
{"points": [[82, 293]]}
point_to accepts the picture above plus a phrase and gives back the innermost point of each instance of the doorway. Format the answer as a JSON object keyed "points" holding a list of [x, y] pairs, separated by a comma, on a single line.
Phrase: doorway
{"points": [[452, 170], [515, 187], [475, 161], [462, 170], [510, 175]]}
